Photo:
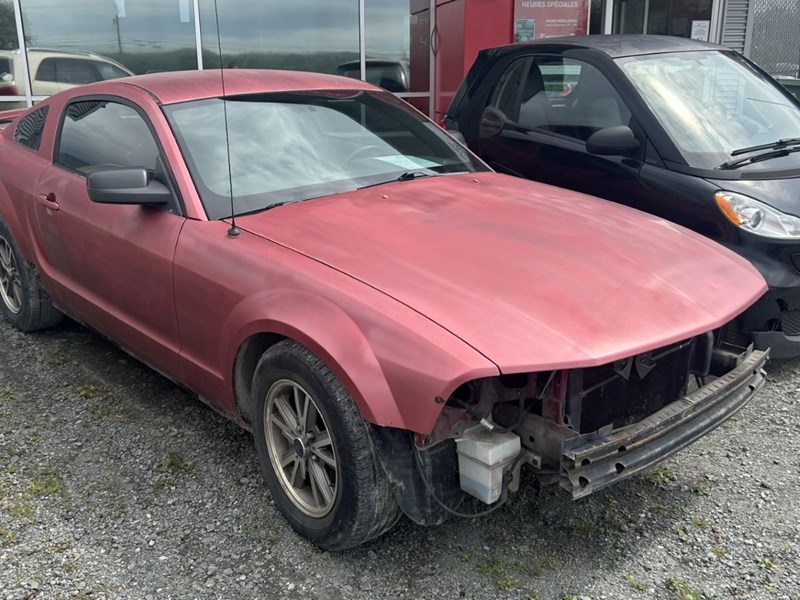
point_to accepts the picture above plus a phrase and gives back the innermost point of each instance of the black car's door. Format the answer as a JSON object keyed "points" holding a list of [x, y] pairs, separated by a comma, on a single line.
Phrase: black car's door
{"points": [[538, 117]]}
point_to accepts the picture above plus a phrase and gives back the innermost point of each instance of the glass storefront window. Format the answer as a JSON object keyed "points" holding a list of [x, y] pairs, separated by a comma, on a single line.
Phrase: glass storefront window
{"points": [[302, 35], [397, 42], [661, 17], [96, 40]]}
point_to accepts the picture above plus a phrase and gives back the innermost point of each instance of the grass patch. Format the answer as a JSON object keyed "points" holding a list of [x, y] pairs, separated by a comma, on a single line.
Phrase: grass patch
{"points": [[21, 510], [659, 475], [681, 591], [101, 411], [635, 583], [767, 564], [89, 391], [6, 395], [174, 463], [47, 482]]}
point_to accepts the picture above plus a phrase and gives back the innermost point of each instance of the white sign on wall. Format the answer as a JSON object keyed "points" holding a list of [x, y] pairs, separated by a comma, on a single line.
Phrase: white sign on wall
{"points": [[700, 30]]}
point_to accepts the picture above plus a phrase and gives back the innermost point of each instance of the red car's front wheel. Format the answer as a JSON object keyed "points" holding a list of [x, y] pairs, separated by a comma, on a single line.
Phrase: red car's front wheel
{"points": [[316, 452]]}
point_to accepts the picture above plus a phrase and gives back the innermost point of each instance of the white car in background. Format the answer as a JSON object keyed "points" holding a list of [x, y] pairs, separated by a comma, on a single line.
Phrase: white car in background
{"points": [[53, 71]]}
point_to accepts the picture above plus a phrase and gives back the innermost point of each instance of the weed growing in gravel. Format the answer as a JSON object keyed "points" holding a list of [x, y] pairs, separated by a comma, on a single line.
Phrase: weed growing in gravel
{"points": [[7, 536], [681, 590], [101, 411], [635, 583], [659, 475], [6, 395], [172, 465], [88, 391], [701, 490], [57, 358], [718, 551], [767, 564], [47, 482], [505, 570], [21, 510], [700, 522]]}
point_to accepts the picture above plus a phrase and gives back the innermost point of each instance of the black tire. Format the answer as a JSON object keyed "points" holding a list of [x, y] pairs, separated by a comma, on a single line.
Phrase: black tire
{"points": [[23, 302], [362, 505]]}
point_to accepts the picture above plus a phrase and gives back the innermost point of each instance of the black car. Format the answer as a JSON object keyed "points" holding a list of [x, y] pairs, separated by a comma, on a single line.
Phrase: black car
{"points": [[686, 130]]}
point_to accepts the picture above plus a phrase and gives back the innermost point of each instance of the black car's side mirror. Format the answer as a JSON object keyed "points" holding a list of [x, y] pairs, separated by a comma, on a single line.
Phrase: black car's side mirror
{"points": [[493, 122], [610, 141], [126, 186]]}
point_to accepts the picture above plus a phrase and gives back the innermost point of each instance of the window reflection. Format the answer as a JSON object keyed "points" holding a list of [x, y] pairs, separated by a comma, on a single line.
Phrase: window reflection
{"points": [[397, 41], [302, 35], [94, 40]]}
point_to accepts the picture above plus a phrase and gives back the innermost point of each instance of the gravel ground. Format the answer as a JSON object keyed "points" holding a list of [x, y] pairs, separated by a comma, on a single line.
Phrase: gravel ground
{"points": [[115, 483]]}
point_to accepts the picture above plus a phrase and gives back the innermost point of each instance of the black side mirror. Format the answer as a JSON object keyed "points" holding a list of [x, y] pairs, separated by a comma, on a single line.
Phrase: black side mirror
{"points": [[126, 186], [493, 122], [610, 141]]}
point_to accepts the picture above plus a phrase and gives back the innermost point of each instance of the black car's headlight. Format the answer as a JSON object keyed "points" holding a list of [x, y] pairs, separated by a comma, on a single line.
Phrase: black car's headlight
{"points": [[756, 217]]}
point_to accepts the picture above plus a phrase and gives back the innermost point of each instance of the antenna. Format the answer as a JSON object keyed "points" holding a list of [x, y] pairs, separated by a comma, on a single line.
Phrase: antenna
{"points": [[233, 231]]}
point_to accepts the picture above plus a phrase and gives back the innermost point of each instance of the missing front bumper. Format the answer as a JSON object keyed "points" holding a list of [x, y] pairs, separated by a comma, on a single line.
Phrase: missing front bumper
{"points": [[593, 461]]}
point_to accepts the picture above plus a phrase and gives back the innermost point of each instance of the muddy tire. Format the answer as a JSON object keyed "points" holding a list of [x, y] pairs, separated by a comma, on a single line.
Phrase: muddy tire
{"points": [[316, 452], [22, 300]]}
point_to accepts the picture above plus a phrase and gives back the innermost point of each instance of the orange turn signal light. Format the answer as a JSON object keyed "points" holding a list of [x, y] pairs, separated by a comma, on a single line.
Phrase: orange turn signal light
{"points": [[727, 209]]}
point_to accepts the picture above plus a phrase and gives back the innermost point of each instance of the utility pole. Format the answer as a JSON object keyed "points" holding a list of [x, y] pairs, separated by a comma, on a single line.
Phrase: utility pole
{"points": [[119, 37]]}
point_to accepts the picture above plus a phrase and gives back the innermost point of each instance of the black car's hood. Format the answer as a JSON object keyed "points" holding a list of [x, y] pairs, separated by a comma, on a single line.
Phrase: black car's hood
{"points": [[783, 194]]}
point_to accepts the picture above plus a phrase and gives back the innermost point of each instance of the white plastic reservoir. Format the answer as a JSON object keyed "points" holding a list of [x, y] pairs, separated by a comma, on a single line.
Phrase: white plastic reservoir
{"points": [[482, 457]]}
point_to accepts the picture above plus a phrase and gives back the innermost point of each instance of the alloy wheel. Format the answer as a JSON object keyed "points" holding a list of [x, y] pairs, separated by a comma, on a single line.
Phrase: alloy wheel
{"points": [[300, 448], [10, 283]]}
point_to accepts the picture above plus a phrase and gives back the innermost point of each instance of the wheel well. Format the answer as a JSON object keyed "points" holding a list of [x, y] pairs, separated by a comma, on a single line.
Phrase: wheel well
{"points": [[244, 367]]}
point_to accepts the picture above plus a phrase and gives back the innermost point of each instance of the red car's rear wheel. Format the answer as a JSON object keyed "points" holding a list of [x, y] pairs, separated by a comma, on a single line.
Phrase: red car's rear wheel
{"points": [[22, 300]]}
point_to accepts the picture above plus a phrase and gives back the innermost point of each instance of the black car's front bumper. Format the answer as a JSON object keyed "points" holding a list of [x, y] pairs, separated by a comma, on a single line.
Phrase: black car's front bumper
{"points": [[593, 461]]}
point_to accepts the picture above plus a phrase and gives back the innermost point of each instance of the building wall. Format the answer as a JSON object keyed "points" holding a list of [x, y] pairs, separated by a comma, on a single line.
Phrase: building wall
{"points": [[775, 44]]}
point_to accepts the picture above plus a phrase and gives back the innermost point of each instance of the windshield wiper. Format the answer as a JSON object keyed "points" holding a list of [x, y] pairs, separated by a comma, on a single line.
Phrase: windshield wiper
{"points": [[780, 151], [407, 176], [772, 146]]}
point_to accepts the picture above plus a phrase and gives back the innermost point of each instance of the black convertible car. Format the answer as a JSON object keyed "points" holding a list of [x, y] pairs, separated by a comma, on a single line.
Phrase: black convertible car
{"points": [[686, 130]]}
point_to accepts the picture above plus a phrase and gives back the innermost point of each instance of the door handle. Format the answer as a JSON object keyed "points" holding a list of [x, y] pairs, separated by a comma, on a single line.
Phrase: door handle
{"points": [[49, 201]]}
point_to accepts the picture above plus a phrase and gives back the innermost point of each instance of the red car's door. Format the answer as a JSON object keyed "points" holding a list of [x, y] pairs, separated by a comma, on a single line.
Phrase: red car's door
{"points": [[112, 264]]}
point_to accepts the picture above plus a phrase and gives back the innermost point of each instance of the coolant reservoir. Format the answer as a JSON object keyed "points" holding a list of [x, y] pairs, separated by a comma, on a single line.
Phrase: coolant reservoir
{"points": [[483, 455]]}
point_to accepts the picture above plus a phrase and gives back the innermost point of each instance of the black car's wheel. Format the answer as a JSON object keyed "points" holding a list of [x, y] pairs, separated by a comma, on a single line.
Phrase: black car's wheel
{"points": [[316, 453], [22, 300]]}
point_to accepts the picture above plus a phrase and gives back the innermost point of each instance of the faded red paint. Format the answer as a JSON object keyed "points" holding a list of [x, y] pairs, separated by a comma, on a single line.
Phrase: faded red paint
{"points": [[405, 290]]}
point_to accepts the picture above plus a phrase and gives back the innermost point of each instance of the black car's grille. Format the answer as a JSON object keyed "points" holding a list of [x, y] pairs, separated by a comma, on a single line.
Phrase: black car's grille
{"points": [[620, 402]]}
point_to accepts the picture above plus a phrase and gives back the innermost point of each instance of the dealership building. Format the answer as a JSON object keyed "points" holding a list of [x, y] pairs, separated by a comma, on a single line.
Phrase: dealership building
{"points": [[419, 49]]}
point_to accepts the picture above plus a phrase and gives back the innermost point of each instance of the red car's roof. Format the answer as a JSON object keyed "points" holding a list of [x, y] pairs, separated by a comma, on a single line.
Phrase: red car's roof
{"points": [[180, 86]]}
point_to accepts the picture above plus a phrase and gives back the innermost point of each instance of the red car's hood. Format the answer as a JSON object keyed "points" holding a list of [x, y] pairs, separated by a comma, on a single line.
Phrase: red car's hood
{"points": [[532, 276]]}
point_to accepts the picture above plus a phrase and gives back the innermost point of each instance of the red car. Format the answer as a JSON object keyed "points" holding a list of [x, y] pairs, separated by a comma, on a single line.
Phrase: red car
{"points": [[398, 325]]}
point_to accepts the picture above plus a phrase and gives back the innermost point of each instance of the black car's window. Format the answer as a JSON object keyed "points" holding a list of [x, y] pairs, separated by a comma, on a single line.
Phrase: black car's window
{"points": [[558, 95], [712, 103], [46, 70], [104, 134], [506, 94], [285, 147], [30, 127]]}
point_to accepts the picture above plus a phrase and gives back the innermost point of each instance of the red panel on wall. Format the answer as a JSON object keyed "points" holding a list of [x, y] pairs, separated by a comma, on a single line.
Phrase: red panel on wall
{"points": [[464, 27], [449, 49]]}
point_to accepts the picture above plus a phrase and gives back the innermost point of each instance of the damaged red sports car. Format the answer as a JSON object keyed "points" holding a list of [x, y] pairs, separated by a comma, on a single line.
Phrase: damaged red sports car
{"points": [[397, 325]]}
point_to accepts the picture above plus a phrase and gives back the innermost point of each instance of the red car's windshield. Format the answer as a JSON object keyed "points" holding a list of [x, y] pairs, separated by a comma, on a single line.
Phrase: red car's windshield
{"points": [[286, 147]]}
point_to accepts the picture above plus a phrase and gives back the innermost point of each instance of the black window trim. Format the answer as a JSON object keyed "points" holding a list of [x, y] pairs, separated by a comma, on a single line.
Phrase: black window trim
{"points": [[179, 206]]}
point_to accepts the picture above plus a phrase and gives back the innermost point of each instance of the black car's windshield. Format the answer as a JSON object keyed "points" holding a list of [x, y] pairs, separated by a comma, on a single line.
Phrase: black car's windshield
{"points": [[286, 147], [712, 103]]}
